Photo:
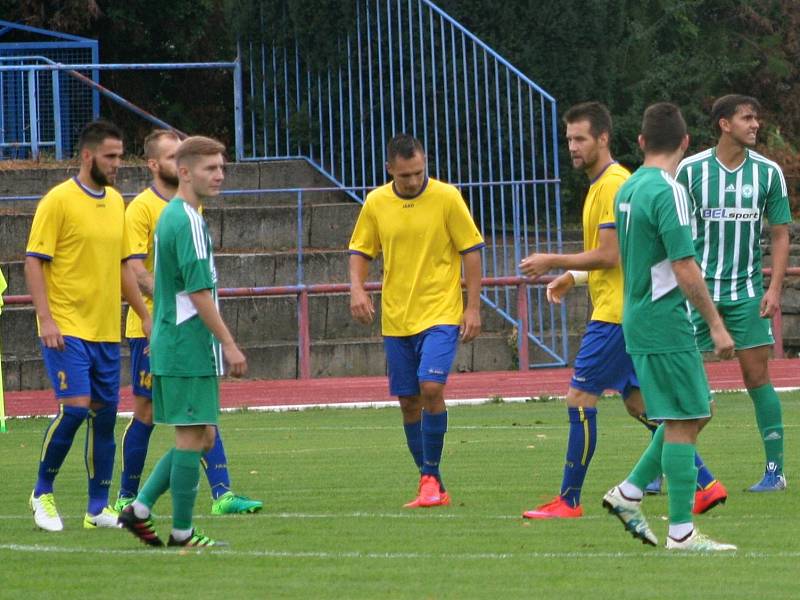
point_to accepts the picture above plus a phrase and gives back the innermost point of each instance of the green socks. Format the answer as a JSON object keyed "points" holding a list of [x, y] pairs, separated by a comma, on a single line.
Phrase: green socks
{"points": [[158, 482], [649, 465], [769, 418], [183, 484], [677, 461]]}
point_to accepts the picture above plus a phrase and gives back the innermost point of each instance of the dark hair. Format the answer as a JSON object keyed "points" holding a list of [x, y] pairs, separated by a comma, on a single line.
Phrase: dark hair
{"points": [[726, 106], [151, 141], [663, 128], [403, 145], [195, 146], [94, 133], [596, 113]]}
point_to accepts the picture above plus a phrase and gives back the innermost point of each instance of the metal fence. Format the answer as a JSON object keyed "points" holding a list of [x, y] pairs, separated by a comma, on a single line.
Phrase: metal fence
{"points": [[43, 109], [407, 66]]}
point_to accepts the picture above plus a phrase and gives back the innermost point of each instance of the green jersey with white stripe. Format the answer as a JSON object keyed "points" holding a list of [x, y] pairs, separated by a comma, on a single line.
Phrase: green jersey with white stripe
{"points": [[653, 226], [181, 345], [728, 209]]}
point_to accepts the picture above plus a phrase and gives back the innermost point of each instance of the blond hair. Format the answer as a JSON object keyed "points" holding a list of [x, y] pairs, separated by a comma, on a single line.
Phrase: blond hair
{"points": [[152, 139], [196, 146]]}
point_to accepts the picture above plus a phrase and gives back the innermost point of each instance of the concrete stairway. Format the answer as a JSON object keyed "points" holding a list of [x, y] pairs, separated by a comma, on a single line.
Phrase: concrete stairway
{"points": [[255, 237]]}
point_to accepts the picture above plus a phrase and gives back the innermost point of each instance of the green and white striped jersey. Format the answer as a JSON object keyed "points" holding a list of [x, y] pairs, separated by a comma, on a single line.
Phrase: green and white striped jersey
{"points": [[728, 210]]}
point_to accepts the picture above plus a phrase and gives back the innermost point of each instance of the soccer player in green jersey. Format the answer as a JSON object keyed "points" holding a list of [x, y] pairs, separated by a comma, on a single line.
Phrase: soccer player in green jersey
{"points": [[660, 274], [602, 362], [185, 357], [141, 217], [731, 189]]}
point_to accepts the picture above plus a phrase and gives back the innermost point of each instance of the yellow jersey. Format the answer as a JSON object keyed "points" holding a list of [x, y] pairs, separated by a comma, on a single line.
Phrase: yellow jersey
{"points": [[80, 236], [422, 240], [605, 285], [141, 217]]}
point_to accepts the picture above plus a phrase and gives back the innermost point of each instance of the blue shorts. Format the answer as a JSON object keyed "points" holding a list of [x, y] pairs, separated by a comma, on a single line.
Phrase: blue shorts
{"points": [[602, 362], [141, 379], [426, 356], [84, 369]]}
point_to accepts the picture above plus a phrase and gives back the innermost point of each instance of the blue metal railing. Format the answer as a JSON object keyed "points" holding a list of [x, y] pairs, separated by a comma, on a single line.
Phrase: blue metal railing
{"points": [[544, 329], [33, 66], [407, 66]]}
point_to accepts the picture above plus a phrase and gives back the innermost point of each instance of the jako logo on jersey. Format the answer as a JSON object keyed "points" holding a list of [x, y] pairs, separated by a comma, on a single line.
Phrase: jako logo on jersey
{"points": [[730, 214]]}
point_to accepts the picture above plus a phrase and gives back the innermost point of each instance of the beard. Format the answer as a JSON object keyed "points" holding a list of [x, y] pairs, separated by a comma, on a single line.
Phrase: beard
{"points": [[98, 176], [171, 179]]}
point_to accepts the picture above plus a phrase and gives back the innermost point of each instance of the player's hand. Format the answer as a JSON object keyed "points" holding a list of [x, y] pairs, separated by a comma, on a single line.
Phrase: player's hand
{"points": [[50, 334], [237, 363], [147, 326], [361, 307], [770, 303], [559, 287], [723, 342], [470, 327], [536, 264]]}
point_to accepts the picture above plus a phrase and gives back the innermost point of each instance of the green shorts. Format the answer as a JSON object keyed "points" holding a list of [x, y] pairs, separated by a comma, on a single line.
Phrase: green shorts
{"points": [[185, 400], [744, 322], [674, 385]]}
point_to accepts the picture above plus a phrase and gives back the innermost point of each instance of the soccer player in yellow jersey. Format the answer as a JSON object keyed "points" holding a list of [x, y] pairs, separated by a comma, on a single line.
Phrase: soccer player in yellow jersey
{"points": [[74, 272], [602, 362], [141, 216], [425, 232]]}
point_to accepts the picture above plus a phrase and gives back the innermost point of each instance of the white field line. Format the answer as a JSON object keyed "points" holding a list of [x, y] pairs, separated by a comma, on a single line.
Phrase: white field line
{"points": [[406, 515], [393, 403], [357, 554]]}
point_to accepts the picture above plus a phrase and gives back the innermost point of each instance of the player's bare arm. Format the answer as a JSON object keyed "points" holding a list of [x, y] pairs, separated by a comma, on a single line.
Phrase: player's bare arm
{"points": [[34, 279], [771, 302], [471, 321], [694, 288], [130, 291], [361, 307], [605, 256], [208, 313], [144, 278]]}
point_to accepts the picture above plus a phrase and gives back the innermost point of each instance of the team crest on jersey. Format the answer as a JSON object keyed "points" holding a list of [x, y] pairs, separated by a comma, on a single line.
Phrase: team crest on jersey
{"points": [[730, 213], [747, 191]]}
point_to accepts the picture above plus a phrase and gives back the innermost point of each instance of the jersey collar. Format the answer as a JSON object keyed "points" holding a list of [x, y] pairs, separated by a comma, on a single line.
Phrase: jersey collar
{"points": [[737, 167], [417, 195], [156, 192], [87, 191], [600, 174]]}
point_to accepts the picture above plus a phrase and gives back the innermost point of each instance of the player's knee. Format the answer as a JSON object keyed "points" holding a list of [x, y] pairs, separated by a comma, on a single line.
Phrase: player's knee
{"points": [[578, 398], [143, 410], [411, 407], [210, 438], [755, 377]]}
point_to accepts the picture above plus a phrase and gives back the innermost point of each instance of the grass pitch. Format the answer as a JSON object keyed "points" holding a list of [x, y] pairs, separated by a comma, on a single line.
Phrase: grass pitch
{"points": [[333, 482]]}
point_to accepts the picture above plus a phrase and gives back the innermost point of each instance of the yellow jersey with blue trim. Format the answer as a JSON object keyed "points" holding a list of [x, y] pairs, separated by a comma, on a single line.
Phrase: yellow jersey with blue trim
{"points": [[141, 217], [605, 285], [80, 237], [422, 239]]}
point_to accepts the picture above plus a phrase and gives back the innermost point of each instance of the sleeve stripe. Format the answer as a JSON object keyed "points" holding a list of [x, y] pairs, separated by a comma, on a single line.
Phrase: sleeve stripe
{"points": [[679, 196], [473, 248], [367, 256], [141, 256], [607, 226], [38, 255], [197, 232]]}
